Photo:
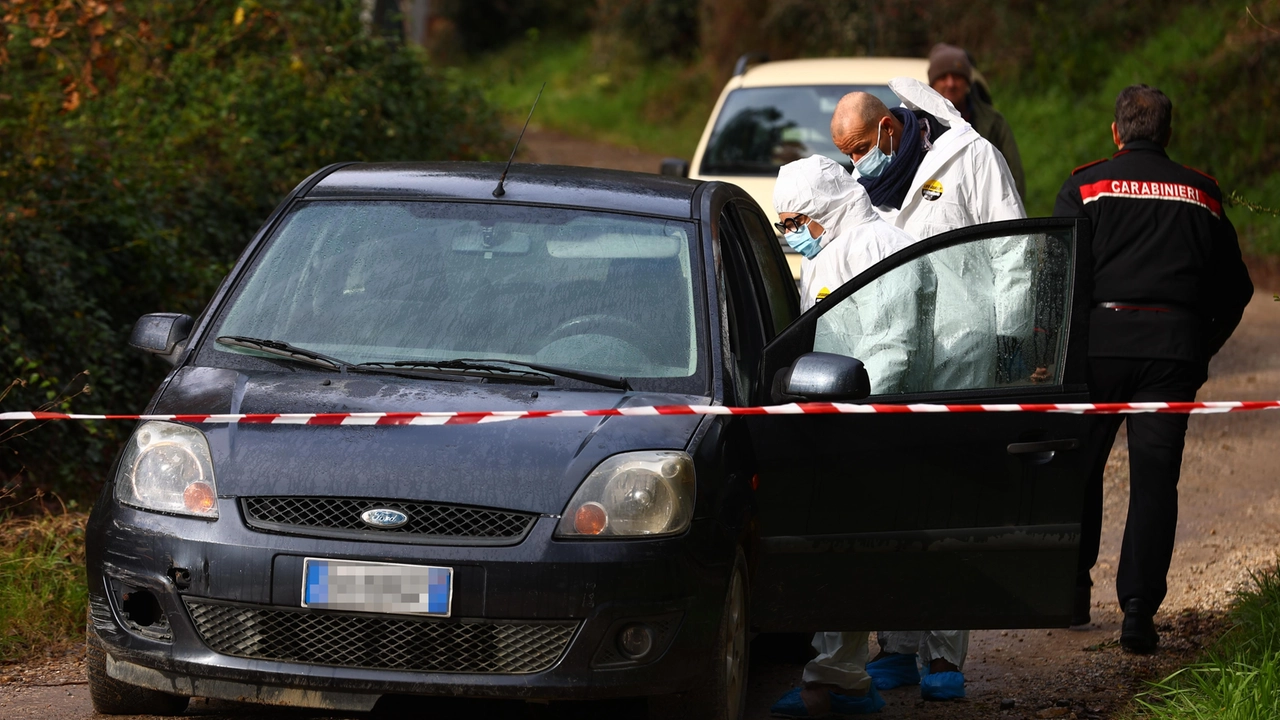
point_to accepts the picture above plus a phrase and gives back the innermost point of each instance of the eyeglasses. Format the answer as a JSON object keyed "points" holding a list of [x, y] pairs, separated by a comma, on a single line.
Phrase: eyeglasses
{"points": [[790, 225]]}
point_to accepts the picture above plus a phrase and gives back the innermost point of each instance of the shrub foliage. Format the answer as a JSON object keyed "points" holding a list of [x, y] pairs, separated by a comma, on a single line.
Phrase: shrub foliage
{"points": [[141, 144], [43, 595]]}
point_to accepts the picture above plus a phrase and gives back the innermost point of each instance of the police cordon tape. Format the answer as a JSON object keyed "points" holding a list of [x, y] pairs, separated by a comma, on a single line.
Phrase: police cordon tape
{"points": [[814, 408]]}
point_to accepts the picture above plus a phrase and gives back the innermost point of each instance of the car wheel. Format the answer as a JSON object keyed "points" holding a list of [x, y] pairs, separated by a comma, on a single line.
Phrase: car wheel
{"points": [[113, 697], [722, 692]]}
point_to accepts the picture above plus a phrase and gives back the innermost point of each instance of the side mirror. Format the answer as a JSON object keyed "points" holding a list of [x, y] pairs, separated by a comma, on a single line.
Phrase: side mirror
{"points": [[162, 334], [823, 377], [675, 167]]}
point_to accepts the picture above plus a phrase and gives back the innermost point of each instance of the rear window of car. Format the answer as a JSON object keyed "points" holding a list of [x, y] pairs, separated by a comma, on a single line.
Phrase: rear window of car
{"points": [[761, 129], [382, 281]]}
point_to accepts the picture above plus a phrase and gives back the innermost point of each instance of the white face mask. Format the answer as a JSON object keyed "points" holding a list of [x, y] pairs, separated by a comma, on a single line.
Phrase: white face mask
{"points": [[875, 161]]}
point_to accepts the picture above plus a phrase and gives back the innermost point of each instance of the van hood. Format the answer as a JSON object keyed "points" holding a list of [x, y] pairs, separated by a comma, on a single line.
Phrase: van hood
{"points": [[525, 465], [760, 188]]}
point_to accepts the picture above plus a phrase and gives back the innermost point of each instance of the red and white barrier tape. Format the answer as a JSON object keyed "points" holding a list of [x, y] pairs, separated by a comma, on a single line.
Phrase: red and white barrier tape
{"points": [[817, 408]]}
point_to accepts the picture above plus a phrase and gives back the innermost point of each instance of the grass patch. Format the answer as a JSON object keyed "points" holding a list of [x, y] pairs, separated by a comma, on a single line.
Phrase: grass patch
{"points": [[659, 107], [1240, 677], [43, 594]]}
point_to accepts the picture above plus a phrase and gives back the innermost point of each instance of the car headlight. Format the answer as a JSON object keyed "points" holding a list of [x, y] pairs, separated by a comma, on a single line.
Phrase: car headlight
{"points": [[167, 467], [633, 494]]}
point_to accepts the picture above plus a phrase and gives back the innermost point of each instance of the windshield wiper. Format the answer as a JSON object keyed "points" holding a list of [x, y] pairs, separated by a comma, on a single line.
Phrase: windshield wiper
{"points": [[283, 349], [611, 381], [454, 369]]}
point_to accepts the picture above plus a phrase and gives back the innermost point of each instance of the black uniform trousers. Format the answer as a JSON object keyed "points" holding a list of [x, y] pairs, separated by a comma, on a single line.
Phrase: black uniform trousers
{"points": [[1155, 463]]}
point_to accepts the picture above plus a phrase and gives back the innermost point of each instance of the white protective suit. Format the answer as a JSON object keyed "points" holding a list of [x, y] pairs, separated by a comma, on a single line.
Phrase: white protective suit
{"points": [[889, 326], [984, 289]]}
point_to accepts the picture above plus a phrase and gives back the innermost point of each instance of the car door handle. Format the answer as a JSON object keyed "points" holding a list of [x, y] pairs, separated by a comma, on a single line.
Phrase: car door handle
{"points": [[1043, 446]]}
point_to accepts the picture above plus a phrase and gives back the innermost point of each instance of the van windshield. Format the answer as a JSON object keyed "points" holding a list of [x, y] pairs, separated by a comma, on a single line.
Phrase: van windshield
{"points": [[380, 281], [761, 129]]}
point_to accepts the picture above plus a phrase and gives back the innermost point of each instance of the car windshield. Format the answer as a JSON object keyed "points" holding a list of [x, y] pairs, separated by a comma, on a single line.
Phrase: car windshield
{"points": [[761, 129], [375, 281]]}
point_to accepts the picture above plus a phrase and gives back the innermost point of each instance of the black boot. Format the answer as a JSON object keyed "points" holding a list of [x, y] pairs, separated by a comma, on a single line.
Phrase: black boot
{"points": [[1080, 606], [1138, 632]]}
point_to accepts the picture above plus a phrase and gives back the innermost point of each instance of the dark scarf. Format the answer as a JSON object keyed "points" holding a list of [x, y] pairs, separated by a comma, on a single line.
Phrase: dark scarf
{"points": [[891, 188]]}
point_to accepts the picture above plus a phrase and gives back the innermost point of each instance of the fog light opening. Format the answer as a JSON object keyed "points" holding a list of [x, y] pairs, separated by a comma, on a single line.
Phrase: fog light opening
{"points": [[635, 641], [142, 608]]}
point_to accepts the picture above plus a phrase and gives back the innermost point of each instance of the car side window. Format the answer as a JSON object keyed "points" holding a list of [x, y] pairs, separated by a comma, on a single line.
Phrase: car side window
{"points": [[779, 290], [985, 313], [746, 333]]}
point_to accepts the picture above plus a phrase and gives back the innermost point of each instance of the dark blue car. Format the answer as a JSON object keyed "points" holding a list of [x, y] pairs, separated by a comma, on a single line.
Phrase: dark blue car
{"points": [[573, 557]]}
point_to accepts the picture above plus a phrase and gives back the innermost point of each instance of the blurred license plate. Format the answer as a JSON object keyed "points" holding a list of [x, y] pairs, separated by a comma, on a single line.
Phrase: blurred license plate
{"points": [[377, 587]]}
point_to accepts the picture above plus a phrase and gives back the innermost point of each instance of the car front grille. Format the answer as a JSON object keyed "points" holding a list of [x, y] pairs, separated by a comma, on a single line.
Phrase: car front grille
{"points": [[428, 522], [378, 641]]}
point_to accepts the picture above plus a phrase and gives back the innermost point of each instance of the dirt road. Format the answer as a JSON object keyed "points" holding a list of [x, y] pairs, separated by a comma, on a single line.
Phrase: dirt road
{"points": [[553, 148], [1229, 525]]}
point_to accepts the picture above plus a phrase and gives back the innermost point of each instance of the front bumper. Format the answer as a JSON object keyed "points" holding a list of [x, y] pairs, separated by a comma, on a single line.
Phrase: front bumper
{"points": [[593, 588]]}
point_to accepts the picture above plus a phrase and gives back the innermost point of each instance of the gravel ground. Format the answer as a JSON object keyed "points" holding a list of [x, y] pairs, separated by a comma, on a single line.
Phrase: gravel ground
{"points": [[1229, 525]]}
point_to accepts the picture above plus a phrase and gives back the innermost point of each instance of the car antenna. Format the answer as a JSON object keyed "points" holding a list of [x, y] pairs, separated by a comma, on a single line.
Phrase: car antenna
{"points": [[498, 191]]}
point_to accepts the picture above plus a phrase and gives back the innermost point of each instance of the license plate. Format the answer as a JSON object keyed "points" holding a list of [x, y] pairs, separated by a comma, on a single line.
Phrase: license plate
{"points": [[377, 587]]}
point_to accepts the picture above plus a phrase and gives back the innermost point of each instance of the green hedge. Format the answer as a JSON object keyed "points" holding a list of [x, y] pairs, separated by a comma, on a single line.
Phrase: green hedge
{"points": [[141, 144]]}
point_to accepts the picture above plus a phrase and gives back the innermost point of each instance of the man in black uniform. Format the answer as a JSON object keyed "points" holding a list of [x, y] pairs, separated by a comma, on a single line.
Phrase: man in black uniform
{"points": [[1169, 287]]}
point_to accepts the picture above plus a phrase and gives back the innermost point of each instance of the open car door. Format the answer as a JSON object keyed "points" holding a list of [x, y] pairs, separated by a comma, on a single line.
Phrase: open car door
{"points": [[932, 520]]}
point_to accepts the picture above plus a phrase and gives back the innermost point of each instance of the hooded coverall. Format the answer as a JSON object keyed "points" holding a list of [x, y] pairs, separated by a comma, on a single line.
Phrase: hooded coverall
{"points": [[888, 328], [963, 180]]}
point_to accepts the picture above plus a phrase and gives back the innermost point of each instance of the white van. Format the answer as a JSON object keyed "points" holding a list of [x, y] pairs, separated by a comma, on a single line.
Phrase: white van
{"points": [[771, 113]]}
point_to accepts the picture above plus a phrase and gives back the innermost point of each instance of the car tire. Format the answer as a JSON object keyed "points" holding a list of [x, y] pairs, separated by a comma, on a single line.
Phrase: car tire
{"points": [[722, 691], [113, 697]]}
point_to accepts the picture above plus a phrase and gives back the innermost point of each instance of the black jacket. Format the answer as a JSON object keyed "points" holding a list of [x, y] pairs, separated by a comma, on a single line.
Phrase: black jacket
{"points": [[1164, 249]]}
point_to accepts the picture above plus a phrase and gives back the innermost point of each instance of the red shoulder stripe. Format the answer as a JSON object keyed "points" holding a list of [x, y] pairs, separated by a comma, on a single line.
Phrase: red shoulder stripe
{"points": [[1201, 172], [1088, 165], [1141, 190]]}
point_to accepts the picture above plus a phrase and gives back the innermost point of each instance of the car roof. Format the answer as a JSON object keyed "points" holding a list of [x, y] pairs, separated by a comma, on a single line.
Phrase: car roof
{"points": [[634, 192], [833, 71]]}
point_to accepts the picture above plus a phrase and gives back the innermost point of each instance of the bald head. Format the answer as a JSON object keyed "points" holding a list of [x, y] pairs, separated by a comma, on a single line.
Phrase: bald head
{"points": [[857, 117]]}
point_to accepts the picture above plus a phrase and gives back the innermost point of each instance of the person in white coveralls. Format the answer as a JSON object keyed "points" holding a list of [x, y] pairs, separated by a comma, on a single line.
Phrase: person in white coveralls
{"points": [[828, 218], [928, 171], [884, 327]]}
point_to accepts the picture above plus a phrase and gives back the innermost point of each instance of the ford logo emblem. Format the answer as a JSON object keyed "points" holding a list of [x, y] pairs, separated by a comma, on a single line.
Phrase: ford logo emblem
{"points": [[384, 518]]}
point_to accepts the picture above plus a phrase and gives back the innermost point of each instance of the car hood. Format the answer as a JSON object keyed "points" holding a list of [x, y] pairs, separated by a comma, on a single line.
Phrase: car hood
{"points": [[526, 465]]}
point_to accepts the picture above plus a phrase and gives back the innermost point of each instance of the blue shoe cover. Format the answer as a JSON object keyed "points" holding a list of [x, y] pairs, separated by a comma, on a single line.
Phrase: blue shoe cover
{"points": [[791, 706], [942, 686], [857, 705], [894, 671]]}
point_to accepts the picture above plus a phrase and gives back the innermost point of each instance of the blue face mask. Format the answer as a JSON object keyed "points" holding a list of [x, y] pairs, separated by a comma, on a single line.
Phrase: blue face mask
{"points": [[803, 242], [875, 161]]}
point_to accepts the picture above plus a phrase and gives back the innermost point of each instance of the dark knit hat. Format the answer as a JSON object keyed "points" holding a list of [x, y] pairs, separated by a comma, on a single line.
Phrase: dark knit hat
{"points": [[944, 59]]}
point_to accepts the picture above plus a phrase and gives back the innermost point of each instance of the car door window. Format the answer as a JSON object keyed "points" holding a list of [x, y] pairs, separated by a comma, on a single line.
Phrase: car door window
{"points": [[782, 302], [980, 314], [746, 332]]}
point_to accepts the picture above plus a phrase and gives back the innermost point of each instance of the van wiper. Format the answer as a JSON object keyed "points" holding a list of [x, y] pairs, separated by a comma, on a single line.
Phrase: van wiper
{"points": [[283, 349], [612, 381]]}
